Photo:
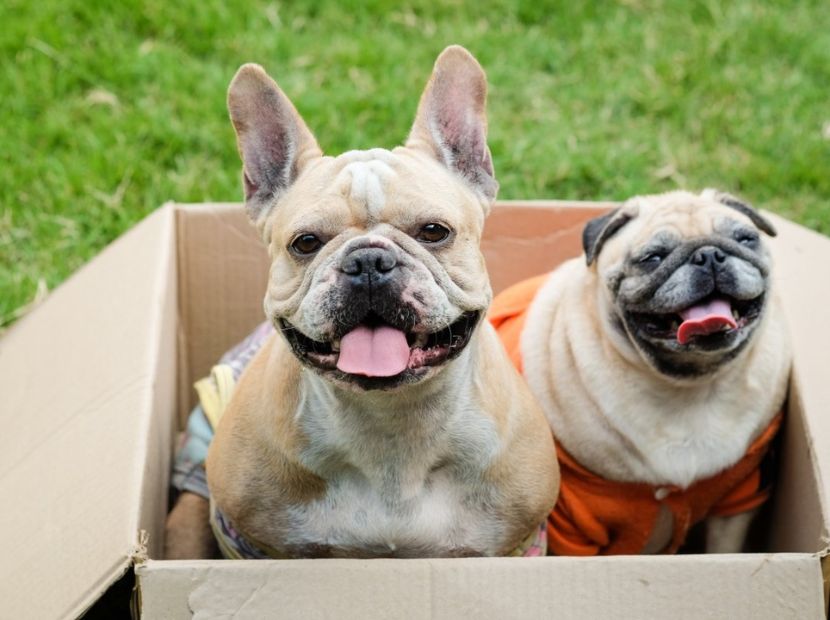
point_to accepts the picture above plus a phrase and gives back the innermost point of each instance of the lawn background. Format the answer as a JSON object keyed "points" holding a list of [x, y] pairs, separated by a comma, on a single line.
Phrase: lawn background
{"points": [[110, 109]]}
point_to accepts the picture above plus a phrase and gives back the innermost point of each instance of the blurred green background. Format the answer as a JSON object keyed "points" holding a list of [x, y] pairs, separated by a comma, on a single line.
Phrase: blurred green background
{"points": [[110, 109]]}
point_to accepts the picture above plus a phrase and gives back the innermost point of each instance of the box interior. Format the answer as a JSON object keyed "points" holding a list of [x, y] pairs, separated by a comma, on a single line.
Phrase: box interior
{"points": [[223, 270]]}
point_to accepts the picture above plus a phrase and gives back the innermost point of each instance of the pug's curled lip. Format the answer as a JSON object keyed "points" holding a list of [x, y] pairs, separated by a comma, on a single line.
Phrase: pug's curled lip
{"points": [[663, 326], [426, 350]]}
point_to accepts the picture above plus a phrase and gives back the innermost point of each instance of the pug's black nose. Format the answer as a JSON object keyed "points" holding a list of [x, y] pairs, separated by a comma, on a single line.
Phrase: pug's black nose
{"points": [[366, 265], [708, 256]]}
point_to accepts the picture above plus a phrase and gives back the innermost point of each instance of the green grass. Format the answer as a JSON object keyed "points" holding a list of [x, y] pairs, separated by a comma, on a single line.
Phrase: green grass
{"points": [[111, 108]]}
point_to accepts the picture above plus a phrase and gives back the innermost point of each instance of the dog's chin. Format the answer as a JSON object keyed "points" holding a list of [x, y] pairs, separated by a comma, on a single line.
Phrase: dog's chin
{"points": [[429, 353], [658, 336]]}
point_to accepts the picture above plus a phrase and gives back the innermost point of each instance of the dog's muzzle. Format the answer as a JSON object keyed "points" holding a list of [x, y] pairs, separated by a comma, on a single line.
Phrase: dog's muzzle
{"points": [[708, 298], [377, 340]]}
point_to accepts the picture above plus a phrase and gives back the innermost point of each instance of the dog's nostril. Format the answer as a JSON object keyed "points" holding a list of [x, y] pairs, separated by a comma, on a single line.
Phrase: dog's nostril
{"points": [[368, 261], [708, 255], [385, 262], [352, 266]]}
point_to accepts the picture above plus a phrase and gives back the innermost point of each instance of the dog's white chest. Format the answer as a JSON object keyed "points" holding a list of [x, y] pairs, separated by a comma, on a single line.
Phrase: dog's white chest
{"points": [[353, 514]]}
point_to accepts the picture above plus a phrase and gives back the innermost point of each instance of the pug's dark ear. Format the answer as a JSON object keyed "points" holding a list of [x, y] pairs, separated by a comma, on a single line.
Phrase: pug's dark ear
{"points": [[600, 229], [739, 205], [451, 122], [273, 140]]}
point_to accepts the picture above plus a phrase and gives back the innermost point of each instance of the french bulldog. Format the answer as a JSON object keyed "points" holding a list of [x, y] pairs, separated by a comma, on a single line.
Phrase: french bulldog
{"points": [[661, 360], [383, 419]]}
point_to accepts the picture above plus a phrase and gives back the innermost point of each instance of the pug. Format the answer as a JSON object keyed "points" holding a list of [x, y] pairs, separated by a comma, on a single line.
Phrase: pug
{"points": [[661, 360], [383, 418]]}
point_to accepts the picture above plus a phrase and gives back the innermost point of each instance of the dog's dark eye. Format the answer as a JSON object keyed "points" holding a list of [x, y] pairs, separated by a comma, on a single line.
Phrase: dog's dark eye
{"points": [[306, 244], [432, 233], [652, 259], [747, 238]]}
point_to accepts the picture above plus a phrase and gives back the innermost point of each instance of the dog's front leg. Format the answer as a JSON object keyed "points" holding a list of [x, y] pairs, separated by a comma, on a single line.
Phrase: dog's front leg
{"points": [[727, 534], [187, 532]]}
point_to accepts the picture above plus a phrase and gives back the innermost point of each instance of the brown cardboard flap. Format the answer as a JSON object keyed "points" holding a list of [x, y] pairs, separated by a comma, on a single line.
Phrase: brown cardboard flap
{"points": [[750, 586], [78, 379]]}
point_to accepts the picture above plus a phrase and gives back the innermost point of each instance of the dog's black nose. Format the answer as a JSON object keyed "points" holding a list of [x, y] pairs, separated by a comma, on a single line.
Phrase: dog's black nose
{"points": [[708, 256], [369, 265]]}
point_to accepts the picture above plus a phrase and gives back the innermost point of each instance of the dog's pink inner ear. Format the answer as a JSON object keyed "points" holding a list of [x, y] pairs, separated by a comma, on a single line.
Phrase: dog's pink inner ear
{"points": [[266, 146], [459, 129], [452, 122], [272, 138]]}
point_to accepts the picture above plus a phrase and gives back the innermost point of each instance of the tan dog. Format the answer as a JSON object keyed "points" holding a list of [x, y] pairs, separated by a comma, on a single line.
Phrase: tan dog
{"points": [[661, 360], [385, 419]]}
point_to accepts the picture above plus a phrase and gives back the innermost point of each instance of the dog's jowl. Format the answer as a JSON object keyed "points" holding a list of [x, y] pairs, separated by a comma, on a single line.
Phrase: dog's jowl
{"points": [[379, 415]]}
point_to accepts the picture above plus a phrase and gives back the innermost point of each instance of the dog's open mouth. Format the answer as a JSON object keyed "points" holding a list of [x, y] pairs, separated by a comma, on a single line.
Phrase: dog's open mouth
{"points": [[375, 350], [708, 322]]}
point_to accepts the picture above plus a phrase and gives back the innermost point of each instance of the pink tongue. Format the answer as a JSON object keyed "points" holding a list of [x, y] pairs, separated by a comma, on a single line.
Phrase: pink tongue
{"points": [[374, 352], [704, 319]]}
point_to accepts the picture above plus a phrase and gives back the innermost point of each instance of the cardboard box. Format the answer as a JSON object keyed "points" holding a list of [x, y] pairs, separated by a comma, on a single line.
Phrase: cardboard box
{"points": [[95, 383]]}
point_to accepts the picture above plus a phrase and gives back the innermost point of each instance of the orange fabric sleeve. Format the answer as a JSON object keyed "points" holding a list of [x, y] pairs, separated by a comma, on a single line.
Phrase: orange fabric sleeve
{"points": [[572, 528], [748, 494], [744, 497]]}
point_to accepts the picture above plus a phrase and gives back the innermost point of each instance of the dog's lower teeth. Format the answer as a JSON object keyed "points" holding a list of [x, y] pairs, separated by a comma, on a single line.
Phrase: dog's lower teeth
{"points": [[735, 314], [335, 345], [675, 325]]}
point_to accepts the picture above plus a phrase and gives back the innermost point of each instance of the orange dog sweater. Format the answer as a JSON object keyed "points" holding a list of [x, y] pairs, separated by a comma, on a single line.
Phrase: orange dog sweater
{"points": [[595, 516]]}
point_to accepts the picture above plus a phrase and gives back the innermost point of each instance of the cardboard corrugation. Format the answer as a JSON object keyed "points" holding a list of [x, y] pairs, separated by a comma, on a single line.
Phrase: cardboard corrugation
{"points": [[96, 381]]}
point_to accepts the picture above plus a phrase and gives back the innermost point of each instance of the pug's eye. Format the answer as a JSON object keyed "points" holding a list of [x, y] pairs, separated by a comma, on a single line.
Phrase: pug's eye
{"points": [[306, 244], [432, 233], [748, 239], [652, 259]]}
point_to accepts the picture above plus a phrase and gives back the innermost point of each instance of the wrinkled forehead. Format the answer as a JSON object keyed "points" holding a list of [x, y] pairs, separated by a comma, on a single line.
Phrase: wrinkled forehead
{"points": [[379, 185], [684, 219]]}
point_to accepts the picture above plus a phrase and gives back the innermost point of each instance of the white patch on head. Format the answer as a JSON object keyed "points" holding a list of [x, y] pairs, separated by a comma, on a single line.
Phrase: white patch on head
{"points": [[365, 176]]}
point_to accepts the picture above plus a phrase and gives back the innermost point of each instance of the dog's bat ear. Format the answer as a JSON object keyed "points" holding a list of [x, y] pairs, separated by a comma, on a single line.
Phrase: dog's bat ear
{"points": [[451, 122], [273, 140], [598, 230], [739, 205]]}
